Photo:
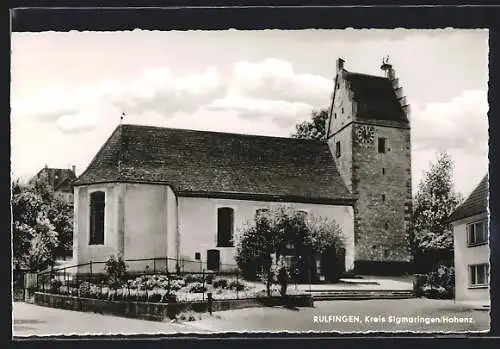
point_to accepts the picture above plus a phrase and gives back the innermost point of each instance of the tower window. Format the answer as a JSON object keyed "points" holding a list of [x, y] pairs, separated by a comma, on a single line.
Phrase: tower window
{"points": [[381, 145], [225, 223], [383, 170], [383, 197], [337, 149], [97, 204]]}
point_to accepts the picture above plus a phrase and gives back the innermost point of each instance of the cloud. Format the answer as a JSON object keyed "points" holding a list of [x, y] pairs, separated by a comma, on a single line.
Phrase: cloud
{"points": [[462, 124], [155, 90], [276, 79]]}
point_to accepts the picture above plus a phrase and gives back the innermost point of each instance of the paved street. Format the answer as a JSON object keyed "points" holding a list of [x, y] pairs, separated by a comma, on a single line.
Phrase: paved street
{"points": [[378, 311], [29, 319], [331, 316]]}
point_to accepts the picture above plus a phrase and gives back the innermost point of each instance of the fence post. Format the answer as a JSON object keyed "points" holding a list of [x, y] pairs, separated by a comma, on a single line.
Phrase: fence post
{"points": [[90, 266], [210, 301], [168, 284], [237, 283], [154, 265], [203, 278]]}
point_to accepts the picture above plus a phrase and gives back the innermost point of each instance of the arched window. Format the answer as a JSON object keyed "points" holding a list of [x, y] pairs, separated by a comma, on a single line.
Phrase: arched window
{"points": [[97, 204], [225, 224]]}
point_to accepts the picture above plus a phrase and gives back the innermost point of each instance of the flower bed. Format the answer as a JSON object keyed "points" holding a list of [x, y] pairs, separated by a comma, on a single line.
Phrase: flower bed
{"points": [[162, 289]]}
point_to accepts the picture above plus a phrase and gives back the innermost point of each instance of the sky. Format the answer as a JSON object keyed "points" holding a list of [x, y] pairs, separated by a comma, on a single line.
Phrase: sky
{"points": [[68, 89]]}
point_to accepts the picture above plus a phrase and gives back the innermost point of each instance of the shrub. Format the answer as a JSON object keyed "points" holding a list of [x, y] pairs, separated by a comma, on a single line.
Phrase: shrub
{"points": [[439, 283], [236, 285], [192, 278], [116, 269], [84, 290], [55, 284], [197, 287], [220, 283], [176, 285]]}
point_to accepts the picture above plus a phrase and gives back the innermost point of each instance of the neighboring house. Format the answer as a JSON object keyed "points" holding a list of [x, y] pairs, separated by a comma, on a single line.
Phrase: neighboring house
{"points": [[470, 235], [185, 194], [60, 179]]}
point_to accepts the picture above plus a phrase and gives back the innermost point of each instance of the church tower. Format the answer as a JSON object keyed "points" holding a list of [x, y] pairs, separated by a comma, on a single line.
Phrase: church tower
{"points": [[368, 133]]}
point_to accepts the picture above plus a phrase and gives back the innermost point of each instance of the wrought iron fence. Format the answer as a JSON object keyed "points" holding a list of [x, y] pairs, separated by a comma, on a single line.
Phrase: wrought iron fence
{"points": [[153, 280]]}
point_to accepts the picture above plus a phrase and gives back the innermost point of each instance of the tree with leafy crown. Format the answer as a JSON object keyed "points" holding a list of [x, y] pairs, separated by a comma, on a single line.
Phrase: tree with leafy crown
{"points": [[314, 128], [42, 225], [281, 231], [431, 231]]}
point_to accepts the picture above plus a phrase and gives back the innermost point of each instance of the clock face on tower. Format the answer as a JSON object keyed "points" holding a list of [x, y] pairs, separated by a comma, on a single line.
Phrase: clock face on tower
{"points": [[366, 134]]}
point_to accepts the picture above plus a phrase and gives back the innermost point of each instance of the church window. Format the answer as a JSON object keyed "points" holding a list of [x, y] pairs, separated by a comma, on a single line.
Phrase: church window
{"points": [[225, 227], [381, 145], [337, 149], [97, 205]]}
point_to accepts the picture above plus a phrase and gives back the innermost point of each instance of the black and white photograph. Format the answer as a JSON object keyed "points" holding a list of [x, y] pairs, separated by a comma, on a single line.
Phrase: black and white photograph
{"points": [[249, 181]]}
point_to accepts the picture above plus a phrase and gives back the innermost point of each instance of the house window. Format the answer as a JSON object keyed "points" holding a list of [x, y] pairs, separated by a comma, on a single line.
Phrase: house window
{"points": [[477, 233], [381, 145], [197, 256], [225, 223], [478, 275], [97, 204], [337, 149]]}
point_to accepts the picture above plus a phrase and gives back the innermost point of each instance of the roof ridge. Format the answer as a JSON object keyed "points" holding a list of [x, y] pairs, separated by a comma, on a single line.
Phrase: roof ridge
{"points": [[304, 140], [367, 75]]}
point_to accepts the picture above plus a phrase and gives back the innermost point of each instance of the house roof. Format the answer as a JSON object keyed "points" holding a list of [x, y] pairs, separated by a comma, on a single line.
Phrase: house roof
{"points": [[375, 97], [200, 163], [59, 178], [476, 203]]}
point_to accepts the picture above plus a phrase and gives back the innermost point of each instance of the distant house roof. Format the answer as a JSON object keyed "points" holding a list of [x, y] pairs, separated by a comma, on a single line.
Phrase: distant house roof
{"points": [[476, 203], [375, 97], [200, 163], [60, 179]]}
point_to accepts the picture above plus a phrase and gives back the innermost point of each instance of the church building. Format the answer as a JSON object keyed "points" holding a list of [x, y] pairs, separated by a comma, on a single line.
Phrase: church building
{"points": [[153, 192]]}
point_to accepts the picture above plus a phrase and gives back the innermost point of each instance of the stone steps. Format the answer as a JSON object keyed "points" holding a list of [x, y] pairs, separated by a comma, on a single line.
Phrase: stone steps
{"points": [[361, 294]]}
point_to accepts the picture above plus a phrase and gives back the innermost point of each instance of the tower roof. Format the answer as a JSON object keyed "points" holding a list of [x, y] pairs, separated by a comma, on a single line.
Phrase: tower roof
{"points": [[375, 97]]}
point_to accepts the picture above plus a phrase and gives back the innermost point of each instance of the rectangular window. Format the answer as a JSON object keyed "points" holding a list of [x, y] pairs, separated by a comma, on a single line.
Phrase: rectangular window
{"points": [[479, 275], [383, 197], [383, 171], [337, 149], [225, 227], [477, 233], [97, 212], [381, 145]]}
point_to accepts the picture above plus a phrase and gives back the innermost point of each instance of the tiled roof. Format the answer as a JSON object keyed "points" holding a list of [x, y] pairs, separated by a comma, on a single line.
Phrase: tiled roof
{"points": [[59, 178], [375, 97], [202, 163], [476, 203]]}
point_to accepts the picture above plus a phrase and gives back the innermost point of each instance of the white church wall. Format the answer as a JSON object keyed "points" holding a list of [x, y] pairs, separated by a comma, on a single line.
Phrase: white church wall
{"points": [[198, 224]]}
